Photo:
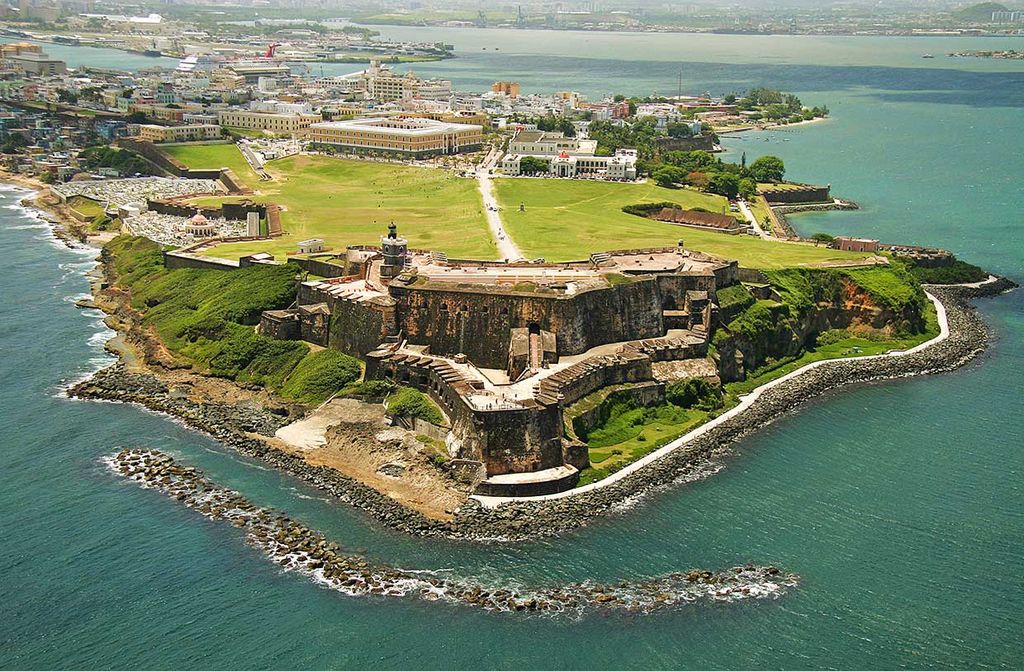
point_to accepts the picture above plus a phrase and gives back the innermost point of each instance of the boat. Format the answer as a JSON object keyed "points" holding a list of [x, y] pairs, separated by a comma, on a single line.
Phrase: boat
{"points": [[927, 56]]}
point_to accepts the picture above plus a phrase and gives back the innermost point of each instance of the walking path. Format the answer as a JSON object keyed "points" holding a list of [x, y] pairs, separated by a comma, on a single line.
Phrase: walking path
{"points": [[507, 249], [253, 159], [745, 209]]}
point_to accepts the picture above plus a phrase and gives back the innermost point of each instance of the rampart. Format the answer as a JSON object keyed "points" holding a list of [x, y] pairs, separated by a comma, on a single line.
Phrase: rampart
{"points": [[358, 324], [478, 322], [504, 439], [573, 383], [320, 267], [794, 194]]}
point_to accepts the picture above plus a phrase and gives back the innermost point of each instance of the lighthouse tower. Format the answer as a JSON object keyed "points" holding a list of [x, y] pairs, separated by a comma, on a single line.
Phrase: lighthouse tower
{"points": [[394, 250]]}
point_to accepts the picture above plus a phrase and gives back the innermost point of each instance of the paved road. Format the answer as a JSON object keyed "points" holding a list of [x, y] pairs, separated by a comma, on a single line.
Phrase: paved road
{"points": [[507, 249], [745, 209]]}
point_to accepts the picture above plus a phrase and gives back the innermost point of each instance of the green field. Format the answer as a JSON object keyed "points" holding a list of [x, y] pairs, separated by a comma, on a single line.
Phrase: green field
{"points": [[212, 156], [352, 202], [566, 220]]}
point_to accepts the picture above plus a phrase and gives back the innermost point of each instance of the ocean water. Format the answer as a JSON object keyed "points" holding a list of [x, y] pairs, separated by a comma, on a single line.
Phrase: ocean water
{"points": [[900, 504]]}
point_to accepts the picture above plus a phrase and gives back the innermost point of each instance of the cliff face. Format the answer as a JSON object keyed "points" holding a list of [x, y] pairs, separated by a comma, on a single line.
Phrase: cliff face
{"points": [[772, 330]]}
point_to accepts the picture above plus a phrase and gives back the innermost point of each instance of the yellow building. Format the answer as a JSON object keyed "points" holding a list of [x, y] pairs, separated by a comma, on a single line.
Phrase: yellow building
{"points": [[511, 89], [409, 136], [191, 133], [13, 48], [285, 124]]}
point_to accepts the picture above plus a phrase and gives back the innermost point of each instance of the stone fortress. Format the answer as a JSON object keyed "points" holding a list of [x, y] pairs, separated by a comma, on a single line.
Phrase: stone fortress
{"points": [[505, 348]]}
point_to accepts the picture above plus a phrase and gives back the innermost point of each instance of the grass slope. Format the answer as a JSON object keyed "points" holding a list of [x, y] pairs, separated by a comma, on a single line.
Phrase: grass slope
{"points": [[213, 156], [207, 318], [567, 220]]}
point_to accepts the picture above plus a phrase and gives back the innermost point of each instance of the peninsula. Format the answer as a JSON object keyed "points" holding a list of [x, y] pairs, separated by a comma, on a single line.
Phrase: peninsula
{"points": [[476, 324]]}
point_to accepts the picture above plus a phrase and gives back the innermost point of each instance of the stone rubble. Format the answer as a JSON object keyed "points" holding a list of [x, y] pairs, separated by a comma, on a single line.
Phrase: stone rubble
{"points": [[295, 547], [525, 519]]}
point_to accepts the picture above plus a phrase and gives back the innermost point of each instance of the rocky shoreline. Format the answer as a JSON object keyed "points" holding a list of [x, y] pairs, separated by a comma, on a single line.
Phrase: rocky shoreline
{"points": [[296, 547], [524, 519]]}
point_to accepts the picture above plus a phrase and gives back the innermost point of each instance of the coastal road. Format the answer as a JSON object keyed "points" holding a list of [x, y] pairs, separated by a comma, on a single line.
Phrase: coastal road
{"points": [[507, 249], [745, 209]]}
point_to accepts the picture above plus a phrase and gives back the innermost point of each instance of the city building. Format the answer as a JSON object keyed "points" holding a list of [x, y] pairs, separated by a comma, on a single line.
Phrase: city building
{"points": [[855, 244], [267, 121], [620, 166], [190, 133], [409, 136], [383, 84], [36, 63], [544, 143], [510, 89]]}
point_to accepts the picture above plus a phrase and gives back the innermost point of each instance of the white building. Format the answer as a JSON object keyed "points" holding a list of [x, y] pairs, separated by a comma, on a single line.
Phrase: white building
{"points": [[544, 143], [620, 166], [311, 246]]}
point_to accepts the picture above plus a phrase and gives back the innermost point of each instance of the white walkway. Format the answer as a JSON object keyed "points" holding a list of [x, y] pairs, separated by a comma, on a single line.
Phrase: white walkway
{"points": [[749, 214], [507, 249]]}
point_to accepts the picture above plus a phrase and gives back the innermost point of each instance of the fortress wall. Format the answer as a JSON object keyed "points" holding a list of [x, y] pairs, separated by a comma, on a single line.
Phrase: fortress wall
{"points": [[479, 324], [673, 288], [174, 260], [356, 327], [359, 327], [320, 267], [517, 441], [806, 194], [506, 441], [595, 373]]}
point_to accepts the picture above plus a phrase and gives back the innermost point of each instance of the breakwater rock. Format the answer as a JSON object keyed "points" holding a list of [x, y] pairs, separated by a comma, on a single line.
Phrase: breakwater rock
{"points": [[525, 519], [296, 547]]}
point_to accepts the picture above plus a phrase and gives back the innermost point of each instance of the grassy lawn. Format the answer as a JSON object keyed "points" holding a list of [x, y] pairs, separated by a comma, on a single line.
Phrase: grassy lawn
{"points": [[566, 220], [85, 206], [606, 460], [352, 202], [759, 207], [212, 156]]}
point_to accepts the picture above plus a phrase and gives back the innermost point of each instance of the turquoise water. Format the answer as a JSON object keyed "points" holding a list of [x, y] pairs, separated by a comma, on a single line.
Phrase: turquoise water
{"points": [[900, 504]]}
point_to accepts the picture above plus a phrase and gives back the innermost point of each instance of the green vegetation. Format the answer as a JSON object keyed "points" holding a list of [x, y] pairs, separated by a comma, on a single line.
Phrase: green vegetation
{"points": [[532, 165], [892, 287], [231, 131], [409, 402], [126, 162], [86, 207], [625, 431], [320, 375], [832, 345], [371, 390], [567, 219], [351, 202], [214, 156], [207, 318], [959, 273], [981, 12], [768, 169], [733, 300]]}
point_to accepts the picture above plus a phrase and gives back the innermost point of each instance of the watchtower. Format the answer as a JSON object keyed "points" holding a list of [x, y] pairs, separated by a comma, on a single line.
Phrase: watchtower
{"points": [[394, 250]]}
